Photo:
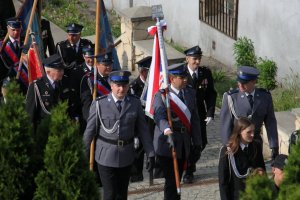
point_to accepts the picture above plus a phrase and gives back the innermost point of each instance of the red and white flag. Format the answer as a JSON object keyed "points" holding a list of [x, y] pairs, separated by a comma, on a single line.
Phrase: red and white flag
{"points": [[155, 77]]}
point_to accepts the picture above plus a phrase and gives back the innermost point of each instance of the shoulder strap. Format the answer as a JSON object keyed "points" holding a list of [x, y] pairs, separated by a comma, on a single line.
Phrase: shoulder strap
{"points": [[110, 131], [231, 107], [235, 170], [38, 95]]}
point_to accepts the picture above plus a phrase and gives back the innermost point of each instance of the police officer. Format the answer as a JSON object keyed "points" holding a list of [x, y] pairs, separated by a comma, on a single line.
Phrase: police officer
{"points": [[182, 134], [88, 56], [71, 49], [249, 101], [200, 78], [43, 93], [11, 50], [11, 53], [116, 119], [136, 88], [71, 86], [104, 64]]}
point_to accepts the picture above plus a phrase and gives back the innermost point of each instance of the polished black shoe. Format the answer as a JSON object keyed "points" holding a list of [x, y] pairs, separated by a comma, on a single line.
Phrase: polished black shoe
{"points": [[188, 178], [136, 178]]}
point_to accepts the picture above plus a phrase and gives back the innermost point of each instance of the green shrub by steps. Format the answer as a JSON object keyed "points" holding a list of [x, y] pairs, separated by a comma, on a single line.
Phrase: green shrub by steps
{"points": [[258, 188], [66, 174], [243, 51], [268, 73], [16, 142]]}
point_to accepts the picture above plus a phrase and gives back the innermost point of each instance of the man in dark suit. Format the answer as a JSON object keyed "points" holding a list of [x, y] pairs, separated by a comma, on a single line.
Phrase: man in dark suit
{"points": [[104, 67], [200, 78], [183, 134], [116, 119], [136, 88], [249, 101], [71, 49], [11, 53], [43, 93]]}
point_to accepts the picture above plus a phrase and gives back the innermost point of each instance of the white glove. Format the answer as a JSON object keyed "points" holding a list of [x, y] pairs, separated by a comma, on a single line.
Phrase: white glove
{"points": [[136, 143], [208, 120]]}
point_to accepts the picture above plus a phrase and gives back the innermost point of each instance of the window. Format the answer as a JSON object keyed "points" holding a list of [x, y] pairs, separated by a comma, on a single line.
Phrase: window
{"points": [[220, 14]]}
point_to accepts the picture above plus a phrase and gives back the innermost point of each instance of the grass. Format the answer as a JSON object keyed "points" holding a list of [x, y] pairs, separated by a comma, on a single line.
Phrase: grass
{"points": [[63, 12], [287, 95]]}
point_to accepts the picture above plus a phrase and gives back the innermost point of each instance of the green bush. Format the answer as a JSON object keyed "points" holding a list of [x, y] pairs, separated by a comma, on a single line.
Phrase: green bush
{"points": [[290, 187], [16, 177], [258, 188], [66, 175], [268, 73], [243, 51]]}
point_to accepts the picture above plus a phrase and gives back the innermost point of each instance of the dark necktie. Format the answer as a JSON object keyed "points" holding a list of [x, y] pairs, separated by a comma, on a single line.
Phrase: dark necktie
{"points": [[195, 79], [250, 99], [74, 48], [245, 150], [16, 45], [119, 106], [180, 95]]}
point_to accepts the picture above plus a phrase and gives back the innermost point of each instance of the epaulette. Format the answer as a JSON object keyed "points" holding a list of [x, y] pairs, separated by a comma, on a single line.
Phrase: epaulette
{"points": [[102, 97], [232, 91], [263, 90], [189, 86]]}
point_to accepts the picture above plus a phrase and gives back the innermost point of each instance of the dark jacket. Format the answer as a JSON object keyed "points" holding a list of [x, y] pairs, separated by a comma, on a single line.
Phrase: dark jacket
{"points": [[64, 48], [230, 185], [40, 102]]}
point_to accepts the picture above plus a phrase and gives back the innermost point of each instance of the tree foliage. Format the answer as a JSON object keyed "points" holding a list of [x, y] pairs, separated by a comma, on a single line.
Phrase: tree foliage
{"points": [[268, 73], [16, 176], [66, 175], [290, 187], [244, 54]]}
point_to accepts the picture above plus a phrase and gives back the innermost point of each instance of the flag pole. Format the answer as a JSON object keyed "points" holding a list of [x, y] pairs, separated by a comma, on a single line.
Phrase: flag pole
{"points": [[157, 12], [98, 10], [27, 34]]}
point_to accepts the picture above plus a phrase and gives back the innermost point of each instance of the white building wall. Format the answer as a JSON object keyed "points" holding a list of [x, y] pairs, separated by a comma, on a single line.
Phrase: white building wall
{"points": [[273, 26]]}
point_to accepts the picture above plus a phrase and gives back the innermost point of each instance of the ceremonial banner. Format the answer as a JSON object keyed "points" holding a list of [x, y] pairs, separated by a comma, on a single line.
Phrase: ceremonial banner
{"points": [[105, 37]]}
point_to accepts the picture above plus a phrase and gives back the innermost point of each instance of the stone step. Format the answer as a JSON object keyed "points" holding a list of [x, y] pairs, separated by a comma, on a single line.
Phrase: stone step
{"points": [[286, 124]]}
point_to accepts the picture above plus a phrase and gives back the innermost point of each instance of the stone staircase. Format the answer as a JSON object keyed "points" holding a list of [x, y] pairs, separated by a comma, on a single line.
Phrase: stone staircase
{"points": [[287, 122]]}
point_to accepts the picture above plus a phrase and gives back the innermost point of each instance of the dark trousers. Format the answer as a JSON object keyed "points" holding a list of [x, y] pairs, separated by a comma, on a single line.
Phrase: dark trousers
{"points": [[170, 190], [191, 166], [138, 164], [114, 182]]}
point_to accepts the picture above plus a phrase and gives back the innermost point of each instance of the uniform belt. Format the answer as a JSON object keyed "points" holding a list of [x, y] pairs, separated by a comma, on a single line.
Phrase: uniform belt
{"points": [[118, 142], [179, 129]]}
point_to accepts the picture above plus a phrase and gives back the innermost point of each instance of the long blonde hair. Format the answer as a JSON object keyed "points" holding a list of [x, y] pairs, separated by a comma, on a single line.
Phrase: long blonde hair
{"points": [[234, 141]]}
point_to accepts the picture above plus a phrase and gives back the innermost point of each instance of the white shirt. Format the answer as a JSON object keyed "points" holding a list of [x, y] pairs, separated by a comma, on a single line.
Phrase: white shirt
{"points": [[191, 72], [90, 67], [115, 98], [13, 41], [51, 81], [252, 93], [77, 45], [243, 146]]}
